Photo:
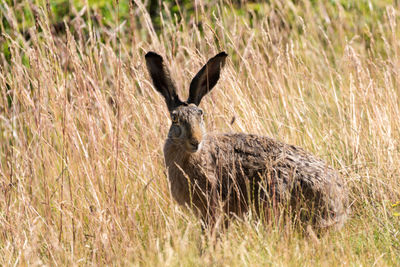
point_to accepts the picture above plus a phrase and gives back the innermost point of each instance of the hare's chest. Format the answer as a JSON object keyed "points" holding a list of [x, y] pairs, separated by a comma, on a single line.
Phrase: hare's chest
{"points": [[188, 181], [179, 184]]}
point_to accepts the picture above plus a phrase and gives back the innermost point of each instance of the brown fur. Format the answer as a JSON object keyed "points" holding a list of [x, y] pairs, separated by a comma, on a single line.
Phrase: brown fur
{"points": [[234, 173]]}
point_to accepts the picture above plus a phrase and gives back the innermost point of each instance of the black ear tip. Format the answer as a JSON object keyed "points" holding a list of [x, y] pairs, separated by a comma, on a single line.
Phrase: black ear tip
{"points": [[152, 54], [222, 54]]}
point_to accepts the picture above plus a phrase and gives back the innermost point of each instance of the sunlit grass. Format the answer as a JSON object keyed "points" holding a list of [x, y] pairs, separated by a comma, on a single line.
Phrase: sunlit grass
{"points": [[324, 80]]}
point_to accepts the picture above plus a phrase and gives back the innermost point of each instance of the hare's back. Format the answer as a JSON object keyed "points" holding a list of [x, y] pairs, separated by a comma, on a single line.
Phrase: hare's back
{"points": [[274, 168], [263, 152], [253, 158]]}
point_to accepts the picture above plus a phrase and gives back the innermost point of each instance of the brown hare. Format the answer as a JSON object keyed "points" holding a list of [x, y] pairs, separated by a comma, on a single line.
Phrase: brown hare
{"points": [[233, 173]]}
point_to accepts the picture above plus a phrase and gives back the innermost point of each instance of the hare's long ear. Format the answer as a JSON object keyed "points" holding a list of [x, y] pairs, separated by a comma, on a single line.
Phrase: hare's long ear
{"points": [[161, 79], [206, 78]]}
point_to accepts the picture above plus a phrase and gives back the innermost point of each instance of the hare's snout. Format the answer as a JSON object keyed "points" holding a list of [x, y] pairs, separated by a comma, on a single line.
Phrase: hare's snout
{"points": [[193, 145], [195, 137], [194, 140]]}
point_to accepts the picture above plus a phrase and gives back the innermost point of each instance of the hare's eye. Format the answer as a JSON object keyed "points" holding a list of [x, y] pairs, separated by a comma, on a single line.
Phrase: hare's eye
{"points": [[174, 118], [201, 112]]}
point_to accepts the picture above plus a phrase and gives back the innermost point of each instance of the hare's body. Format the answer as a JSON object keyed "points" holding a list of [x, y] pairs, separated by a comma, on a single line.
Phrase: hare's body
{"points": [[240, 171], [235, 172]]}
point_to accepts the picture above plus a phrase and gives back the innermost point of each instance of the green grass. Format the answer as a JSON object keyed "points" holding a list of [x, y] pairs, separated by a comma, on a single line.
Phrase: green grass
{"points": [[82, 177]]}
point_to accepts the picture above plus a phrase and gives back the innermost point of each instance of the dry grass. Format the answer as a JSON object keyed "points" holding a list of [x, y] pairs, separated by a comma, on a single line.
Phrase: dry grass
{"points": [[81, 134]]}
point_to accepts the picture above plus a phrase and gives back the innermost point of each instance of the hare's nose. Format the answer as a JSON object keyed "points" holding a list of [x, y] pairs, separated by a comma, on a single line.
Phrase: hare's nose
{"points": [[194, 143]]}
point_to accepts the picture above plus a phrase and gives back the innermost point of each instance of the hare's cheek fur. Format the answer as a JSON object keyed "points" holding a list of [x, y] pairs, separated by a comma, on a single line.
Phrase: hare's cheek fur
{"points": [[175, 132]]}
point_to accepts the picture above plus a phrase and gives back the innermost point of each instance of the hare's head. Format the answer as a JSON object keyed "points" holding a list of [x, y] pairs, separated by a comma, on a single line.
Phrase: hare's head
{"points": [[187, 127]]}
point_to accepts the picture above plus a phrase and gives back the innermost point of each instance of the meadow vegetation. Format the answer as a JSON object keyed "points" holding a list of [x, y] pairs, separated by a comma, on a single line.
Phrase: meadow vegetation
{"points": [[82, 177]]}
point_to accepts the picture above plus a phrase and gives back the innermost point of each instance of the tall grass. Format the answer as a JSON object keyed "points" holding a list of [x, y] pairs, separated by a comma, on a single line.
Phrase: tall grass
{"points": [[81, 130]]}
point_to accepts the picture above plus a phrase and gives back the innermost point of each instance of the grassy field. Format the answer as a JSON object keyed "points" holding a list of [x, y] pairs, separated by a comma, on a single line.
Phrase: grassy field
{"points": [[82, 176]]}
